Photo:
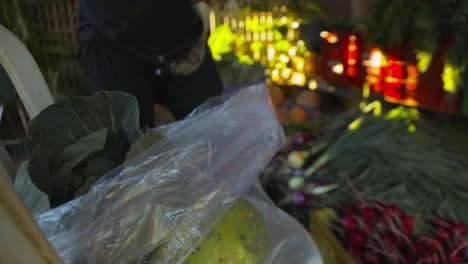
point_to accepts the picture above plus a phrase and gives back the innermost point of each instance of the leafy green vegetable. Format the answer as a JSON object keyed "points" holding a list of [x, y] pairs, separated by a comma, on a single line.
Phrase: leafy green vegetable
{"points": [[35, 201], [424, 171], [149, 139], [79, 138]]}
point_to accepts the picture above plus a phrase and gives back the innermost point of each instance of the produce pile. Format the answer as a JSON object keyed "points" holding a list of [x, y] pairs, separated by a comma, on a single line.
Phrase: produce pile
{"points": [[303, 107], [376, 233], [393, 183]]}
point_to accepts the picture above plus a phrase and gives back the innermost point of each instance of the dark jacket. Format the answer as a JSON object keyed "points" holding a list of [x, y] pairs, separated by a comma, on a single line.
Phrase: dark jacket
{"points": [[153, 27]]}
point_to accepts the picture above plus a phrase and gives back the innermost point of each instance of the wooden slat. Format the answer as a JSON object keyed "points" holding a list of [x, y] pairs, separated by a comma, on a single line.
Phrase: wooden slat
{"points": [[21, 241]]}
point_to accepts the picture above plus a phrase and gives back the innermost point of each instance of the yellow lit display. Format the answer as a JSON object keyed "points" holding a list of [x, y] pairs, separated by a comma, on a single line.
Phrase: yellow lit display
{"points": [[271, 52], [295, 25], [299, 63], [283, 58], [424, 60], [451, 78], [275, 75], [220, 41], [257, 37], [298, 79], [286, 73], [313, 85], [292, 52]]}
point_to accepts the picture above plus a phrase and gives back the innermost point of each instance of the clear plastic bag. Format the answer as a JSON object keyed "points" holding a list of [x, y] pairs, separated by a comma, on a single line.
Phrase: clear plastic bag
{"points": [[158, 207]]}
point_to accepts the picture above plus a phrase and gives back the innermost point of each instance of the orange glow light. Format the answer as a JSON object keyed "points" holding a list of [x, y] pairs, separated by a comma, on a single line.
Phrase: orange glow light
{"points": [[329, 37], [338, 69], [376, 58]]}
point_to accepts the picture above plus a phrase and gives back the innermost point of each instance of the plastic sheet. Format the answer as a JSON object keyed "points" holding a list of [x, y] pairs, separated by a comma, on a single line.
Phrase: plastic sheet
{"points": [[158, 207]]}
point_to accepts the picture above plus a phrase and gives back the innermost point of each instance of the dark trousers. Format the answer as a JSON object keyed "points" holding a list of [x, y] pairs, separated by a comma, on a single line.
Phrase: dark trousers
{"points": [[107, 66]]}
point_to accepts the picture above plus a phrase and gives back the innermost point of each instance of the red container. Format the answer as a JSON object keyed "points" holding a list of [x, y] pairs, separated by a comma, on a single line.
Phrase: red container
{"points": [[373, 60], [401, 82], [400, 76], [430, 90], [341, 58]]}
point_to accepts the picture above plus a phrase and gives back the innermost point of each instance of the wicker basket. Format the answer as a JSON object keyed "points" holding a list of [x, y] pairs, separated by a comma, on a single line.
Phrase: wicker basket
{"points": [[55, 24]]}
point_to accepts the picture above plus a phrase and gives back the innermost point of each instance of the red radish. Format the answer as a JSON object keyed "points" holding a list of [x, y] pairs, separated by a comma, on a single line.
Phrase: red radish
{"points": [[392, 208], [356, 253], [390, 229], [458, 247], [357, 239], [385, 223], [368, 213], [425, 260], [402, 241], [419, 249], [368, 227], [371, 257], [443, 235], [348, 210], [388, 239], [459, 229], [433, 243], [410, 259], [435, 258], [409, 222], [456, 259], [407, 232], [349, 222], [432, 259], [441, 222]]}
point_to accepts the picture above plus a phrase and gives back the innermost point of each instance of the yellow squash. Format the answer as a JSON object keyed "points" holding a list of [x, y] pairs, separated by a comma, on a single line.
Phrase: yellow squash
{"points": [[239, 237]]}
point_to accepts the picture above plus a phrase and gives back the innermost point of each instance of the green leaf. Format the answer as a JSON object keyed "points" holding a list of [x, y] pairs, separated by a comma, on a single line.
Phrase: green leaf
{"points": [[35, 201], [99, 166], [410, 169], [81, 149], [149, 139], [67, 135], [95, 168], [58, 181], [71, 157]]}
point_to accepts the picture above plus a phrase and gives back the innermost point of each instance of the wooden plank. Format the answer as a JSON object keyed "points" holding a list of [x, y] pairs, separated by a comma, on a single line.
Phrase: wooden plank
{"points": [[21, 241]]}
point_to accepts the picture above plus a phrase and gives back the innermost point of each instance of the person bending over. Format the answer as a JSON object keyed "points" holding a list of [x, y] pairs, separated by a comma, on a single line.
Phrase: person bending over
{"points": [[154, 50]]}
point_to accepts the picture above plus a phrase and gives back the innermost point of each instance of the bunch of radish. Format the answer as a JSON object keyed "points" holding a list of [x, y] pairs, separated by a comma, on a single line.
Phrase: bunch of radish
{"points": [[381, 233]]}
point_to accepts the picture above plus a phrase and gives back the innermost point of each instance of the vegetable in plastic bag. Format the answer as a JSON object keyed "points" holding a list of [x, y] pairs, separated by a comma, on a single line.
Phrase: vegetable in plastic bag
{"points": [[199, 181]]}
